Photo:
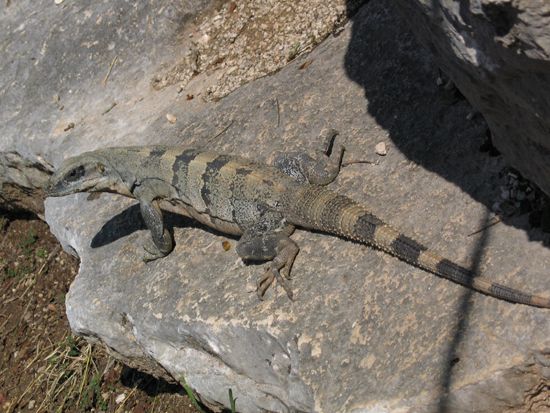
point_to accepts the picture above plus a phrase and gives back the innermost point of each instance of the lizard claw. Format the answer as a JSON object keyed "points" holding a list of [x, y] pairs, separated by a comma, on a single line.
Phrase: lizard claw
{"points": [[265, 282]]}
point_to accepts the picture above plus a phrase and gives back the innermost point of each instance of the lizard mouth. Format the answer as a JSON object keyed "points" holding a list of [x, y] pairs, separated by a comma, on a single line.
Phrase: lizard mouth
{"points": [[56, 188]]}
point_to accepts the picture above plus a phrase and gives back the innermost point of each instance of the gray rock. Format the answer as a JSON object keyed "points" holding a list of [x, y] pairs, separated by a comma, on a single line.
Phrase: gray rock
{"points": [[22, 182], [498, 54], [55, 59], [367, 333]]}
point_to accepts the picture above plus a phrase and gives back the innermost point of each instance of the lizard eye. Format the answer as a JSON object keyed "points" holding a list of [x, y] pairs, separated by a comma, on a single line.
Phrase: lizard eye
{"points": [[101, 167], [76, 173]]}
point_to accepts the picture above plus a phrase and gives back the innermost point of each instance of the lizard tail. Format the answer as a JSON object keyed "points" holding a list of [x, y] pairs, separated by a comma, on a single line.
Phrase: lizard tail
{"points": [[318, 208]]}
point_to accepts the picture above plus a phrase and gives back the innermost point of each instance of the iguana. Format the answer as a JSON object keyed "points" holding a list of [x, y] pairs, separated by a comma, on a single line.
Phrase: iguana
{"points": [[263, 204]]}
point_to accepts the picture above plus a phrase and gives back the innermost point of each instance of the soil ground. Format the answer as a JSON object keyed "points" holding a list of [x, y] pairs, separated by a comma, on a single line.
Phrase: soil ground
{"points": [[43, 367]]}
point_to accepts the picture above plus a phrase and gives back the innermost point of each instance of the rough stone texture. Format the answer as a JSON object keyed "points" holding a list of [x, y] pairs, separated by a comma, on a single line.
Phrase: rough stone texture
{"points": [[498, 54], [54, 62], [366, 333], [245, 40], [21, 183], [76, 76]]}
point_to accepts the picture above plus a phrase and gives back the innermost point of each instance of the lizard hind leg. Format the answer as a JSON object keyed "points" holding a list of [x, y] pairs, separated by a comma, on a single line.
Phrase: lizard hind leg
{"points": [[321, 169], [274, 246]]}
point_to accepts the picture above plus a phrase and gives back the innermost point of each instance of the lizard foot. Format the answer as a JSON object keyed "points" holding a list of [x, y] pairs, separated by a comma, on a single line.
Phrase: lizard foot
{"points": [[282, 263], [265, 282], [320, 169], [152, 253]]}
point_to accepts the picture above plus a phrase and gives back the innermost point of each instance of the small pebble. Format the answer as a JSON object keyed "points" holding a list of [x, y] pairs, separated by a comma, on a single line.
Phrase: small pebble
{"points": [[171, 118], [31, 404], [120, 398], [69, 126], [381, 149]]}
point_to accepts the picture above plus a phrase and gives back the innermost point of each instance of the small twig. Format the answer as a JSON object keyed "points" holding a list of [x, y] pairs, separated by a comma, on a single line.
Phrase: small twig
{"points": [[9, 300], [50, 258], [109, 71], [110, 108], [121, 407], [11, 330], [5, 322], [236, 35], [32, 283], [24, 311], [489, 225], [84, 375], [18, 402], [221, 133], [35, 357], [278, 112], [354, 161], [69, 126]]}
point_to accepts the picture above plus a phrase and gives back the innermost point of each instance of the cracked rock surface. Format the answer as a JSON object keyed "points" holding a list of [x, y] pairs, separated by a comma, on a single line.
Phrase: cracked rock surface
{"points": [[367, 333]]}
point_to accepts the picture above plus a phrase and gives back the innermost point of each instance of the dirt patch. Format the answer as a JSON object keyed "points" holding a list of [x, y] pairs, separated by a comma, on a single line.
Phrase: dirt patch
{"points": [[43, 368]]}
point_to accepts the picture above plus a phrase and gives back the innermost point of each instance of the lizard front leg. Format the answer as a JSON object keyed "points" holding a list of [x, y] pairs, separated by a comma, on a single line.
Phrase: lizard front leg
{"points": [[321, 169], [162, 243], [162, 240], [268, 240]]}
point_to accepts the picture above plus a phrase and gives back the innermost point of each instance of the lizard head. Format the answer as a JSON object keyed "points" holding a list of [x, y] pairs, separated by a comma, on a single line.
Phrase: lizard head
{"points": [[84, 173]]}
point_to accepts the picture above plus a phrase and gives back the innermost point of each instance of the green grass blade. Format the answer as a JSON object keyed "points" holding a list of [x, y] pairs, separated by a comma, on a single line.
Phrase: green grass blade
{"points": [[232, 402], [191, 395]]}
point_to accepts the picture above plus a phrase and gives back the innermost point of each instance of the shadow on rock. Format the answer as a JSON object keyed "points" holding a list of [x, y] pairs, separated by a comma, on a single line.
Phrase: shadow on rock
{"points": [[463, 312], [432, 126], [130, 221]]}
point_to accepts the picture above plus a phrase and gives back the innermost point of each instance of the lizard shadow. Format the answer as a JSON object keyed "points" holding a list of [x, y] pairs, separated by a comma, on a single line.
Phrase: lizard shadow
{"points": [[129, 221]]}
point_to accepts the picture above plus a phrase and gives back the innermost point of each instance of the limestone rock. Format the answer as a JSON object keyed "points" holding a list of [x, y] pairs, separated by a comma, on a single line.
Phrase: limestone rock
{"points": [[498, 54], [53, 86], [367, 333], [22, 182]]}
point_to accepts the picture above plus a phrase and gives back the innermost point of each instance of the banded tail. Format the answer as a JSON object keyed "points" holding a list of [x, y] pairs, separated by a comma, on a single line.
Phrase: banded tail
{"points": [[318, 208]]}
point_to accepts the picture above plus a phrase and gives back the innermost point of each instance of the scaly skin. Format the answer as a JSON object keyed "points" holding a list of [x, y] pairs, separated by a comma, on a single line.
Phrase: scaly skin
{"points": [[259, 202]]}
